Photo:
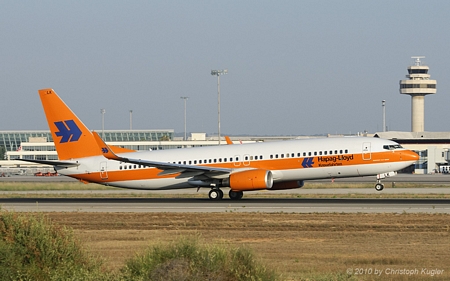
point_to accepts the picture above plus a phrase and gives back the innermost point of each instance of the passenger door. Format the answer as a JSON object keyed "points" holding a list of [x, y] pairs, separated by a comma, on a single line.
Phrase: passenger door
{"points": [[103, 171], [366, 151]]}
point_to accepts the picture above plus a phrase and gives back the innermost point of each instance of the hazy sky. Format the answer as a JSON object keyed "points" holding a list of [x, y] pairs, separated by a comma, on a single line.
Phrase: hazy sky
{"points": [[295, 67]]}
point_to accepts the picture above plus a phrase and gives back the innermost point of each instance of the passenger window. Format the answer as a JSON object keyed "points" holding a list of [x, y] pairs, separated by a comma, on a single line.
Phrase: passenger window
{"points": [[309, 153], [315, 153]]}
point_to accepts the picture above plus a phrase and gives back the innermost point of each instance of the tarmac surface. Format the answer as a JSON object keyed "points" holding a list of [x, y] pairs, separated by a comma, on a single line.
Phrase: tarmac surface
{"points": [[247, 204], [268, 205]]}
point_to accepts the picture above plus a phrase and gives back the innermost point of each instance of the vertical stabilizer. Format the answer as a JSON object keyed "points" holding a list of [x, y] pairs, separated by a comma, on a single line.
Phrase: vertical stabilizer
{"points": [[71, 137]]}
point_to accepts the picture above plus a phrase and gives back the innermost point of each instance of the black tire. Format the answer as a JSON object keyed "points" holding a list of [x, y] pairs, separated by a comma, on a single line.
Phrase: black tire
{"points": [[215, 194], [235, 195], [379, 187]]}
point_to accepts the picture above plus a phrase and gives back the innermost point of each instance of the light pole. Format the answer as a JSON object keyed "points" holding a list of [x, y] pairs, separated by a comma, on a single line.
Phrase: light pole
{"points": [[103, 111], [185, 99], [383, 104], [218, 73], [131, 119]]}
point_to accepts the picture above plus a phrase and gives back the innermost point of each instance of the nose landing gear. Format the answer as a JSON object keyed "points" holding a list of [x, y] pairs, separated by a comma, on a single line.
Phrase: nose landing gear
{"points": [[379, 186]]}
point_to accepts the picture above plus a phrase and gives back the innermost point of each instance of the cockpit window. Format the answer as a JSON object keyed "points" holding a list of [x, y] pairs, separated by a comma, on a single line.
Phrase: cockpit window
{"points": [[392, 146]]}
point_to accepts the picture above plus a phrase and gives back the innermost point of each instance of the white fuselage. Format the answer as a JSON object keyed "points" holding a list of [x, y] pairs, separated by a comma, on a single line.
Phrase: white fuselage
{"points": [[294, 160]]}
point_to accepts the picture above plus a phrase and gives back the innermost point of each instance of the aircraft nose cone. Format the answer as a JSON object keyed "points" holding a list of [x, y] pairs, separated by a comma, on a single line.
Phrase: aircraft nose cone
{"points": [[409, 155]]}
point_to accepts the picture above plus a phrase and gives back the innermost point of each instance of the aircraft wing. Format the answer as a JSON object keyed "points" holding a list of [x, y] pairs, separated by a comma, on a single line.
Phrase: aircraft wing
{"points": [[168, 168], [62, 164]]}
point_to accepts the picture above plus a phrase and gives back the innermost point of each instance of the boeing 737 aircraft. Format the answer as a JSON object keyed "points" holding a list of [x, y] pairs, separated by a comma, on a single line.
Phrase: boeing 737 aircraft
{"points": [[271, 165]]}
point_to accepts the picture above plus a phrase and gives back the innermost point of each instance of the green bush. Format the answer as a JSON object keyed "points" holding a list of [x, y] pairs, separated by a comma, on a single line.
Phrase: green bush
{"points": [[32, 248], [186, 260]]}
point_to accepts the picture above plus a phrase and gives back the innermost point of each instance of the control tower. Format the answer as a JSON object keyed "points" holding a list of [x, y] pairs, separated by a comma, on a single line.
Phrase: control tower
{"points": [[418, 86]]}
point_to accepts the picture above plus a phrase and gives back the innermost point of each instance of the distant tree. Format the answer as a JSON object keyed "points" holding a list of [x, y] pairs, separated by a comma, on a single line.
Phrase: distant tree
{"points": [[2, 153]]}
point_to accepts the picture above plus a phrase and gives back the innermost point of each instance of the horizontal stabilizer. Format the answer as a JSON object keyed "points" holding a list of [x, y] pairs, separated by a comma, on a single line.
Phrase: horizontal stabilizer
{"points": [[62, 164]]}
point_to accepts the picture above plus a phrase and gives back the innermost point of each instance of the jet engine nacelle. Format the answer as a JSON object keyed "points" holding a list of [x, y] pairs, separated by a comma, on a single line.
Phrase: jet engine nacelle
{"points": [[250, 180], [287, 185]]}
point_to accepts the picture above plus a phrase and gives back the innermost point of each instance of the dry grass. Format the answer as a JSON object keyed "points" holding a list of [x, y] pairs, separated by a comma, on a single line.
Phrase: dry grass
{"points": [[300, 246], [39, 186]]}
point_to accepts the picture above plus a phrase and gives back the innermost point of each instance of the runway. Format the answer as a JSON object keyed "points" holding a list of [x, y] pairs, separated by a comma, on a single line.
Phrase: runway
{"points": [[269, 205], [266, 205]]}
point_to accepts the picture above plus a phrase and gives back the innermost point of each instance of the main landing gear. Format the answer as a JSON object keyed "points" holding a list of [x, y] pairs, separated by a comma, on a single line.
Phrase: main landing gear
{"points": [[217, 194], [235, 195]]}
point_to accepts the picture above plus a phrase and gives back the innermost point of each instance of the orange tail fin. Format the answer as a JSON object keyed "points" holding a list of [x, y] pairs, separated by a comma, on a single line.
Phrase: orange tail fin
{"points": [[71, 137]]}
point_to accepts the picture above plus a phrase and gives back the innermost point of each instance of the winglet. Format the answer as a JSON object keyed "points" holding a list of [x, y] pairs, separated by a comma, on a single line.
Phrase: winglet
{"points": [[229, 141], [105, 149]]}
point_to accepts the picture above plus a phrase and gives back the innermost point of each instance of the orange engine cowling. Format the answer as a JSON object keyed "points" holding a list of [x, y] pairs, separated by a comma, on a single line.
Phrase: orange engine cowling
{"points": [[251, 180]]}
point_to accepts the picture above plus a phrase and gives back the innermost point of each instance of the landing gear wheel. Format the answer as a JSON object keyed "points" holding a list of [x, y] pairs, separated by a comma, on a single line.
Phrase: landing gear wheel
{"points": [[235, 195], [215, 194], [379, 186]]}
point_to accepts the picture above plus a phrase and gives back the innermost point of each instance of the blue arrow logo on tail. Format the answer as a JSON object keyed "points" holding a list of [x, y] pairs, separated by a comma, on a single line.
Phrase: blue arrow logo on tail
{"points": [[308, 162], [68, 131]]}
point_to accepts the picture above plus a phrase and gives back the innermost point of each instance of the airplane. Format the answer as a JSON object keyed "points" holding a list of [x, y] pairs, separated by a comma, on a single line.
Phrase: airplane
{"points": [[278, 165]]}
